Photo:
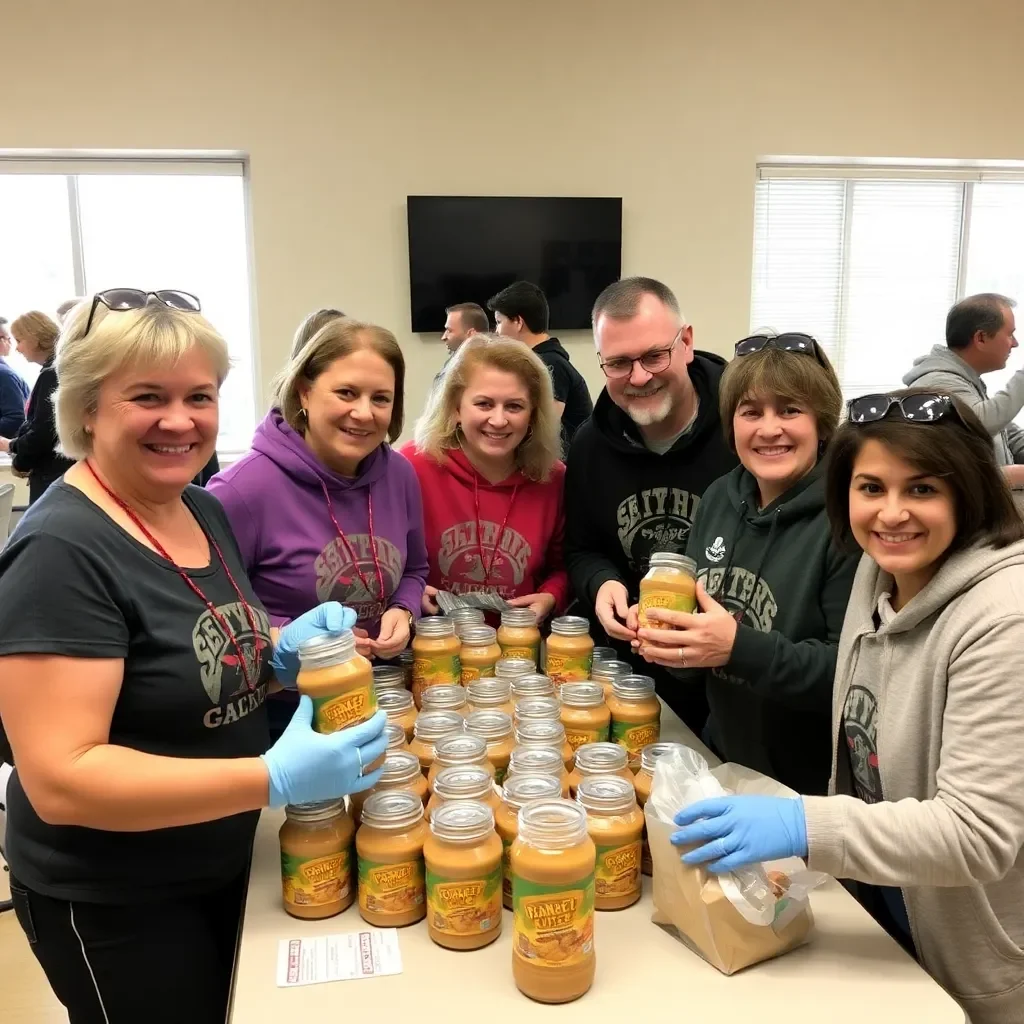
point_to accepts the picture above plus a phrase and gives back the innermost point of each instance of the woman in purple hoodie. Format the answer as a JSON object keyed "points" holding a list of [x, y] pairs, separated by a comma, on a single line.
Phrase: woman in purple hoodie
{"points": [[323, 508]]}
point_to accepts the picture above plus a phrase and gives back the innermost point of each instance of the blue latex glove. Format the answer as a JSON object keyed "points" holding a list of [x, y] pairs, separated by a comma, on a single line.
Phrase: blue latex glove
{"points": [[330, 617], [306, 766], [732, 831]]}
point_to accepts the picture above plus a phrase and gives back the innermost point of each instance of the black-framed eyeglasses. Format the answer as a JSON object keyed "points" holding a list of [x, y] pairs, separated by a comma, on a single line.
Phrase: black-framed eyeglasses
{"points": [[925, 407], [120, 299], [791, 341], [654, 361]]}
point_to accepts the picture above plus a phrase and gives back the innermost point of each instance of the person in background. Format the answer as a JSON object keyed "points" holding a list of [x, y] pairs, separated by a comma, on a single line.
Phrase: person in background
{"points": [[462, 321], [927, 815], [521, 312], [322, 507], [312, 323], [772, 584], [980, 335], [135, 658], [638, 469], [65, 307], [486, 454], [13, 389], [33, 449]]}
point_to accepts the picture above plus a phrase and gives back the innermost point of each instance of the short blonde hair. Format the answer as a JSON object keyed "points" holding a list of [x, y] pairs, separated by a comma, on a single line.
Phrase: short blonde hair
{"points": [[437, 430], [154, 335], [38, 328], [338, 338]]}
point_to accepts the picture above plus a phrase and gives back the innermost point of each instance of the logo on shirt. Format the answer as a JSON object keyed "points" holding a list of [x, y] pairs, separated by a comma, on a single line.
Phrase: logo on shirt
{"points": [[860, 723], [220, 663], [338, 580], [656, 519], [464, 570], [715, 552]]}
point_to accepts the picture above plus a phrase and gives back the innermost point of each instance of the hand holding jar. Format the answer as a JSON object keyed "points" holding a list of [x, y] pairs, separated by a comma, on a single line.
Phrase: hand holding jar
{"points": [[687, 640]]}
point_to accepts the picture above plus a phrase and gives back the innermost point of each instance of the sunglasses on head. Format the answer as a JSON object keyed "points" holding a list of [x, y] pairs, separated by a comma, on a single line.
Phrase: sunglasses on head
{"points": [[926, 407], [791, 341], [120, 299]]}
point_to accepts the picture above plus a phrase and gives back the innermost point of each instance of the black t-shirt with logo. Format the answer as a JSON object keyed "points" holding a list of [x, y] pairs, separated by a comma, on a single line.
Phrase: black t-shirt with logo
{"points": [[73, 583]]}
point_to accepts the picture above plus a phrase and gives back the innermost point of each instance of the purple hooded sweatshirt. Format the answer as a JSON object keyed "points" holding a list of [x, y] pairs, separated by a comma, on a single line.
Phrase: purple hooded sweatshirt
{"points": [[294, 555]]}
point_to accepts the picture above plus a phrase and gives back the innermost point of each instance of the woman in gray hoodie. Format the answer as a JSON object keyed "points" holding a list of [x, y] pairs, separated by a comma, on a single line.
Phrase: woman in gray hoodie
{"points": [[927, 804]]}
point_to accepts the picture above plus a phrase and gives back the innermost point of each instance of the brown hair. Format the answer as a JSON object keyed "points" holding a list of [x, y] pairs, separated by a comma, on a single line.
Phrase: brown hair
{"points": [[312, 323], [792, 376], [472, 315], [38, 328], [339, 338], [621, 299], [960, 453]]}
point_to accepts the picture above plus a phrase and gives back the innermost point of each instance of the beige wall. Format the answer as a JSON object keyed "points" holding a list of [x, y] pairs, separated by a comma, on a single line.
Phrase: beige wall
{"points": [[345, 107]]}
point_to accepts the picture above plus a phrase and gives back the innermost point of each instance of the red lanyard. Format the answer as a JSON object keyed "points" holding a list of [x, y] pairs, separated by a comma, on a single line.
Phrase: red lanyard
{"points": [[221, 621], [348, 546], [484, 564]]}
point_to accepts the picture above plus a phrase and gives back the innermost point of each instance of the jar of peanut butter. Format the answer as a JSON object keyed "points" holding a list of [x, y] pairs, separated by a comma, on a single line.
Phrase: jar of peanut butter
{"points": [[671, 583], [463, 860], [460, 751], [395, 736], [389, 847], [463, 617], [466, 782], [599, 759], [604, 654], [615, 823], [517, 793], [606, 672], [532, 685], [436, 650], [636, 715], [553, 861], [570, 651], [511, 669], [643, 782], [400, 708], [545, 733], [388, 677], [518, 635], [339, 681], [584, 713], [490, 695], [537, 709], [401, 771], [445, 697], [432, 727], [495, 729], [539, 761], [317, 873], [480, 652], [406, 661]]}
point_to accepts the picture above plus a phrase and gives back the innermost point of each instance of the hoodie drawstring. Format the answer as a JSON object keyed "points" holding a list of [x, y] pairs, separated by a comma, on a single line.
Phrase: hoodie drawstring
{"points": [[487, 567], [351, 551]]}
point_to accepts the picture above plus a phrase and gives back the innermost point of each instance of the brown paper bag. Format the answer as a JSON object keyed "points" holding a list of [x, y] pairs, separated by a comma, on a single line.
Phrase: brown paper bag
{"points": [[692, 904]]}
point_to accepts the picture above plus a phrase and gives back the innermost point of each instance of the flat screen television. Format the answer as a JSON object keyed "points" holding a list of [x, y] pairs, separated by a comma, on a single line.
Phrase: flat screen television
{"points": [[466, 248]]}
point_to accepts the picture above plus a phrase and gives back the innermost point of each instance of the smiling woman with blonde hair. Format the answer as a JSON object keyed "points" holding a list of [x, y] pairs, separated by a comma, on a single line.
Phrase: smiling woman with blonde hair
{"points": [[486, 454]]}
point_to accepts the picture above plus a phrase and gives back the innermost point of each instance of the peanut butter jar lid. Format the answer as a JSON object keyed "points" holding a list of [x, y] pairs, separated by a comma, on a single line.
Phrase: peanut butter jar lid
{"points": [[489, 725], [391, 809], [464, 749], [581, 695], [598, 758], [395, 735], [400, 766], [543, 731], [606, 794], [514, 668], [321, 810], [650, 754], [388, 677], [633, 687], [326, 649], [673, 560], [519, 790], [462, 821], [395, 702], [605, 654], [532, 684], [432, 726], [536, 761], [466, 616], [570, 625], [552, 824], [463, 782], [443, 697], [478, 636], [491, 690], [537, 708], [519, 618], [610, 669], [435, 626]]}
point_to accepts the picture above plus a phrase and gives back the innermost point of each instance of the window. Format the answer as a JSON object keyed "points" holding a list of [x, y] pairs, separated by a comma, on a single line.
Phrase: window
{"points": [[869, 260], [147, 224]]}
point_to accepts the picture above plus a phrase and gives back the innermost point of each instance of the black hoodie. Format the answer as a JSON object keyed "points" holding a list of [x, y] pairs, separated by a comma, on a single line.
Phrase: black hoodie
{"points": [[777, 570], [623, 501]]}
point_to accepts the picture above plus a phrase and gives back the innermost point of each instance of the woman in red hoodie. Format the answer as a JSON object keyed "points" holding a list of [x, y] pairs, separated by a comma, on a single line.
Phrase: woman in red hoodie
{"points": [[486, 454]]}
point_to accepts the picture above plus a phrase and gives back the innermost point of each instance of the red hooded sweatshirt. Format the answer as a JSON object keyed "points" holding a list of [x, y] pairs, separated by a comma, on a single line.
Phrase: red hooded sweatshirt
{"points": [[463, 515]]}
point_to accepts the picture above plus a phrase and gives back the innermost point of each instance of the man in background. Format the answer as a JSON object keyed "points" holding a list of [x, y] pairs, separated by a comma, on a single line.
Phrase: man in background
{"points": [[462, 321], [637, 470], [979, 340], [521, 312], [14, 391]]}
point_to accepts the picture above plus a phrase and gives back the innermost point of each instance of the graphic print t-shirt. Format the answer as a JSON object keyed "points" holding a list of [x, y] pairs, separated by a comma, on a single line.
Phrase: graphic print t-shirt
{"points": [[73, 583]]}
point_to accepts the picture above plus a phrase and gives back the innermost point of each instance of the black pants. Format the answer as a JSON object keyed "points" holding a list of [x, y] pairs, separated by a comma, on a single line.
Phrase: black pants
{"points": [[161, 963]]}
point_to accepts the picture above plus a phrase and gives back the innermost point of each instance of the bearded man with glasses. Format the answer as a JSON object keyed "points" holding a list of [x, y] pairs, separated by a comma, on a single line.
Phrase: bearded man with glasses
{"points": [[638, 467]]}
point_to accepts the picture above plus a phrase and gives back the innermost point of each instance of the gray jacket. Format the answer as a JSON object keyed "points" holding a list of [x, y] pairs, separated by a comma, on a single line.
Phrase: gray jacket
{"points": [[943, 370], [947, 668]]}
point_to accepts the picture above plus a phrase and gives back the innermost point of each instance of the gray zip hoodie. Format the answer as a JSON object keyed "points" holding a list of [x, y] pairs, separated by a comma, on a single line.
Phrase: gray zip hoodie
{"points": [[943, 370], [947, 669]]}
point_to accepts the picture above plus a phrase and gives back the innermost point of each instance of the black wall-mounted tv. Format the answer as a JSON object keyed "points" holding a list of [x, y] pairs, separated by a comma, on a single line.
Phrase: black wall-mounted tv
{"points": [[466, 248]]}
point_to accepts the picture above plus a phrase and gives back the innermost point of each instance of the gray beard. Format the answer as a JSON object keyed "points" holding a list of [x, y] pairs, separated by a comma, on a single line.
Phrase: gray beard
{"points": [[656, 412]]}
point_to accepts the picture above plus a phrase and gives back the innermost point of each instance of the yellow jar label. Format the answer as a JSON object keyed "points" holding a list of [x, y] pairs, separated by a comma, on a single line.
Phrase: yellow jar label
{"points": [[432, 670], [554, 924], [577, 737], [391, 888], [634, 736], [464, 907], [618, 869], [333, 713], [672, 600], [529, 651], [471, 672], [568, 668], [316, 881]]}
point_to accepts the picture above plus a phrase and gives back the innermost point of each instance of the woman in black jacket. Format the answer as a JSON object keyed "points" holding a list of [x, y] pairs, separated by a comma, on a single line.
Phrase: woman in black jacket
{"points": [[33, 449]]}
